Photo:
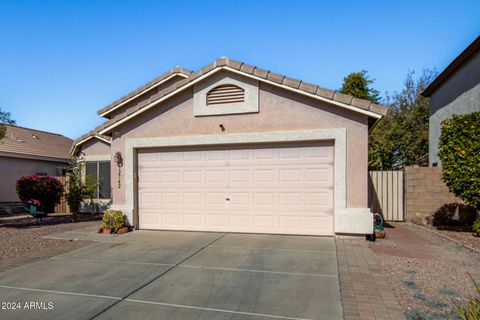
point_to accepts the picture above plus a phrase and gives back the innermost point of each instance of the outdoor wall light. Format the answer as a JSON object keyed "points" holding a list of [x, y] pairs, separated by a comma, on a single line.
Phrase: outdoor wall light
{"points": [[117, 159]]}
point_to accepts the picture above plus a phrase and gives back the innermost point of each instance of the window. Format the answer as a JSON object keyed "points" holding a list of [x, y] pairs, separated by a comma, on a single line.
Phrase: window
{"points": [[225, 93], [100, 169]]}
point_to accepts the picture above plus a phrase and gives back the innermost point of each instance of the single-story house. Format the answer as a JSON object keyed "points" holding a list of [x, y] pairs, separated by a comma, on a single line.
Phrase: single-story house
{"points": [[455, 91], [25, 152], [236, 148]]}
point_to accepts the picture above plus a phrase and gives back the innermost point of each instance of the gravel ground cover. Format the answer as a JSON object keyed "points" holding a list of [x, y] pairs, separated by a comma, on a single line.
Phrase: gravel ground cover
{"points": [[21, 238], [428, 274], [461, 234]]}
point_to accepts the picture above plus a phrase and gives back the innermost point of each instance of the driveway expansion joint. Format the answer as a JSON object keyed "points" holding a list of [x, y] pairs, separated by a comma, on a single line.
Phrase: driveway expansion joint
{"points": [[216, 310], [159, 276], [115, 261], [62, 292], [279, 249], [259, 271]]}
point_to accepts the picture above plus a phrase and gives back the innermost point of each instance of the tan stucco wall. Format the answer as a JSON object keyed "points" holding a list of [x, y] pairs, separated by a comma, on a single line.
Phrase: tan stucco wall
{"points": [[11, 169], [279, 111], [95, 147]]}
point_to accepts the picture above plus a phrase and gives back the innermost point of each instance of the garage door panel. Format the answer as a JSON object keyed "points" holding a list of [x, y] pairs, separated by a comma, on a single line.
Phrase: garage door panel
{"points": [[215, 176], [271, 190], [239, 176], [193, 176], [290, 198], [264, 175], [263, 154], [171, 177], [193, 198]]}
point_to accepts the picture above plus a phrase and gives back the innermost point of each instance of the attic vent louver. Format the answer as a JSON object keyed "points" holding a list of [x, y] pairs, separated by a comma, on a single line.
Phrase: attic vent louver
{"points": [[226, 93]]}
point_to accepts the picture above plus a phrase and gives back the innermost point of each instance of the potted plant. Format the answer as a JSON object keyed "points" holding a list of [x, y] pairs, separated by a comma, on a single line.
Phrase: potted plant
{"points": [[107, 222], [119, 222], [114, 221], [33, 205]]}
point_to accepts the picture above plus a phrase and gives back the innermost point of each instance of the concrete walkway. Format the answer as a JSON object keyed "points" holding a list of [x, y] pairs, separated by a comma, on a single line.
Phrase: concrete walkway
{"points": [[180, 275]]}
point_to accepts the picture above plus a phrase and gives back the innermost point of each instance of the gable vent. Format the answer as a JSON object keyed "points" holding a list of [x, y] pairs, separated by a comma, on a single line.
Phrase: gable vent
{"points": [[226, 93]]}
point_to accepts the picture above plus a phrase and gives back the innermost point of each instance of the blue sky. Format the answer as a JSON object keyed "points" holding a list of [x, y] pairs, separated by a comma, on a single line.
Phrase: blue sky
{"points": [[61, 61]]}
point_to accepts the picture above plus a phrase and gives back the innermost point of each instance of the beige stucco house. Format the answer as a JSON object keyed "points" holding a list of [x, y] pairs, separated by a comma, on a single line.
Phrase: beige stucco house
{"points": [[25, 152], [233, 147]]}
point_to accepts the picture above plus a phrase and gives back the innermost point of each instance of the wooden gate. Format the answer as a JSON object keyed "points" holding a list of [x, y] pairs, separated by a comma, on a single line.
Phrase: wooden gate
{"points": [[386, 194], [62, 207]]}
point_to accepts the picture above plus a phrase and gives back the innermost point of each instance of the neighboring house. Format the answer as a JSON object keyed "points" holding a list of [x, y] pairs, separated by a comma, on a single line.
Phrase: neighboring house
{"points": [[233, 147], [455, 91], [25, 152]]}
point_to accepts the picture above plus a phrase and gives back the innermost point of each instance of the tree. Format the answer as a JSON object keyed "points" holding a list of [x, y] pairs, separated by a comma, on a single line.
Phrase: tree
{"points": [[357, 84], [401, 138], [78, 189], [459, 150], [5, 118]]}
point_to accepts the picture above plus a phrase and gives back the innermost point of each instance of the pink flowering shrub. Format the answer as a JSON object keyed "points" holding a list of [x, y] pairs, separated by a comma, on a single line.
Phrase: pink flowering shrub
{"points": [[43, 189]]}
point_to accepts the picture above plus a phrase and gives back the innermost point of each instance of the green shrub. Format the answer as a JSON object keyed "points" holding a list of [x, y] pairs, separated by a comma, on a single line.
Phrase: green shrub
{"points": [[476, 228], [114, 219], [459, 150], [472, 310], [107, 220], [47, 190]]}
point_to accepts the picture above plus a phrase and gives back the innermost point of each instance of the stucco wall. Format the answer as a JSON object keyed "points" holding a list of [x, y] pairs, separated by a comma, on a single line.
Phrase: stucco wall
{"points": [[95, 147], [279, 111], [460, 94], [11, 169]]}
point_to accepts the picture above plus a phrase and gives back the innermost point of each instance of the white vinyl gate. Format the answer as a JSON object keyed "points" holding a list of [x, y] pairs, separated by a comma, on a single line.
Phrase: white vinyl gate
{"points": [[386, 194]]}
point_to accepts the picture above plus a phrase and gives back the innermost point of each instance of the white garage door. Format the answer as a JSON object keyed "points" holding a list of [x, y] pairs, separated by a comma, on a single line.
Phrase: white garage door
{"points": [[286, 190]]}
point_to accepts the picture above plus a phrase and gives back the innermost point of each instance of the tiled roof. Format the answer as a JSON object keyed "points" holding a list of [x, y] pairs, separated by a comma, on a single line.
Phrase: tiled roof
{"points": [[299, 85], [30, 142], [177, 70]]}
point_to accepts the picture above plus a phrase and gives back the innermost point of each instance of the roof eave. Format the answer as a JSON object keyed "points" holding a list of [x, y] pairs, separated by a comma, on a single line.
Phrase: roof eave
{"points": [[266, 80], [76, 144], [452, 67], [104, 112], [19, 155]]}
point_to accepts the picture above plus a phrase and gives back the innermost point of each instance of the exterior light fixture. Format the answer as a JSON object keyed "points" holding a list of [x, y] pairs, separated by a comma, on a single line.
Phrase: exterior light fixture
{"points": [[118, 160]]}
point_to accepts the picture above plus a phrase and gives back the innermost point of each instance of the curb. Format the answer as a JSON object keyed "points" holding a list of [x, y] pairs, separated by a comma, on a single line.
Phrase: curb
{"points": [[445, 237]]}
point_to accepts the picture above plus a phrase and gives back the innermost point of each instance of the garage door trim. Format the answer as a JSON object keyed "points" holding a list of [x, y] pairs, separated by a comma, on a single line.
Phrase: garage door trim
{"points": [[338, 135]]}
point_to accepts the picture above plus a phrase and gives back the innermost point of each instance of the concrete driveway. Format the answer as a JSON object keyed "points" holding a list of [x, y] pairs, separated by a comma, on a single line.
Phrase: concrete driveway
{"points": [[179, 275]]}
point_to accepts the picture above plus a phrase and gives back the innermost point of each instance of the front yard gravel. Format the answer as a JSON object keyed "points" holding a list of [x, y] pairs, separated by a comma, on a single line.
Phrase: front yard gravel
{"points": [[21, 239], [428, 274], [461, 234]]}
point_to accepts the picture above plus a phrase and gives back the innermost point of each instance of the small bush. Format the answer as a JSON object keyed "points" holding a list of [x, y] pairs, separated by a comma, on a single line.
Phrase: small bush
{"points": [[47, 190], [476, 228], [107, 220], [114, 219], [472, 310]]}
